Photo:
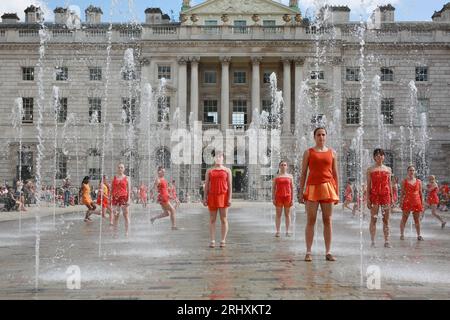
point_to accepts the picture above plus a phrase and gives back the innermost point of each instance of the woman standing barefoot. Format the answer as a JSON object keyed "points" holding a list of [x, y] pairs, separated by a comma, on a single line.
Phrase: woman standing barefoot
{"points": [[218, 193], [120, 194], [433, 199], [411, 201], [164, 199], [283, 196], [320, 163], [380, 195]]}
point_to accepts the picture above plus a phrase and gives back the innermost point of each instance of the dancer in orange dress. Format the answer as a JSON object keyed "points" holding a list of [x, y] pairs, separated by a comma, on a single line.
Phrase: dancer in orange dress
{"points": [[283, 197], [143, 194], [433, 199], [380, 195], [86, 199], [348, 196], [411, 201], [103, 197], [321, 165], [218, 193], [120, 196], [164, 199]]}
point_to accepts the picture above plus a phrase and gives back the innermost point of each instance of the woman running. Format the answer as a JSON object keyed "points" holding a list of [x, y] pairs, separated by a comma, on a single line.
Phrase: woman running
{"points": [[164, 199], [120, 196], [86, 199], [143, 194], [433, 199], [348, 196], [321, 165], [218, 194], [283, 197], [103, 198], [380, 195], [411, 200]]}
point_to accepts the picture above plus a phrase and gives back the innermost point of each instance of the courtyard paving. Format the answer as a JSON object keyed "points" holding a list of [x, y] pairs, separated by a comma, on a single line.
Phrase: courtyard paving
{"points": [[154, 262]]}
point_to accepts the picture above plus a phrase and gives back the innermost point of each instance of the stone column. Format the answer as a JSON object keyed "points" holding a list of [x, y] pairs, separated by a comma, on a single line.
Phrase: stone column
{"points": [[299, 62], [286, 94], [182, 89], [225, 93], [256, 86], [194, 86]]}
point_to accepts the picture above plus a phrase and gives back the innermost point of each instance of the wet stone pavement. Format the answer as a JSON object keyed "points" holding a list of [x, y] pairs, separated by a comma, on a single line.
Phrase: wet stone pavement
{"points": [[157, 263]]}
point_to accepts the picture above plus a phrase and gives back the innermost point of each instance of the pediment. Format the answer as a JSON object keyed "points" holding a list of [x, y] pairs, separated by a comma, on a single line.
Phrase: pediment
{"points": [[240, 7]]}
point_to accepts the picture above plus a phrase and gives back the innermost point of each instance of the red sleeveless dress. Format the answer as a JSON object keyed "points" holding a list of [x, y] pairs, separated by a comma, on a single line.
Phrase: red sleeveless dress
{"points": [[283, 194], [218, 189], [412, 201], [433, 197], [380, 191], [320, 186], [119, 191], [348, 193], [163, 196]]}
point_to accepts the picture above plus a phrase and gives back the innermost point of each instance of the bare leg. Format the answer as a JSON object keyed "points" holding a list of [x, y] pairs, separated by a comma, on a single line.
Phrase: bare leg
{"points": [[373, 223], [327, 211], [403, 224], [311, 212], [416, 216], [212, 225], [278, 211], [173, 218], [126, 215], [224, 223], [386, 217], [287, 216], [435, 214]]}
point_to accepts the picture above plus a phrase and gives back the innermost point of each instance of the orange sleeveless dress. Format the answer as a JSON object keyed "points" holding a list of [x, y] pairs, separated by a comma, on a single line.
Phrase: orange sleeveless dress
{"points": [[380, 191], [320, 186], [86, 195], [412, 200], [163, 197], [218, 191], [283, 194]]}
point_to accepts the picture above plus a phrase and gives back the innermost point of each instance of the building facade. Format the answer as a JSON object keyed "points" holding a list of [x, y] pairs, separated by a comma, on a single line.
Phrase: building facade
{"points": [[215, 66]]}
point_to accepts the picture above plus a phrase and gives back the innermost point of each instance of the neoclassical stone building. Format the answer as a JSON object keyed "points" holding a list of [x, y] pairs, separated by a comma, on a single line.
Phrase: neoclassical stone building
{"points": [[216, 62]]}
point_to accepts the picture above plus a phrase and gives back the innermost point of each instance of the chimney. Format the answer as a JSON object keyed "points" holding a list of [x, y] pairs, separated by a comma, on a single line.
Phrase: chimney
{"points": [[153, 16], [336, 14], [61, 15], [383, 14], [33, 14], [165, 18], [442, 15], [10, 18], [93, 15], [186, 5]]}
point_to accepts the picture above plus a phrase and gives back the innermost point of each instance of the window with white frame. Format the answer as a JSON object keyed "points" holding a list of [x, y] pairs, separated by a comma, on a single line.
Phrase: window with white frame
{"points": [[62, 73], [239, 77], [421, 74], [239, 115], [210, 114], [387, 74], [352, 73], [317, 75], [27, 104], [352, 111], [164, 71], [62, 110], [387, 110], [163, 109], [28, 73], [95, 110], [266, 77], [129, 110], [210, 77], [95, 73]]}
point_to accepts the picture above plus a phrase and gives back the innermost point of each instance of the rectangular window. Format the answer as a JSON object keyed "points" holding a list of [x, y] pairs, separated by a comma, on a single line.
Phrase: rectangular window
{"points": [[128, 110], [95, 110], [93, 162], [266, 77], [62, 112], [164, 72], [210, 77], [240, 77], [387, 74], [240, 26], [210, 23], [95, 74], [421, 73], [269, 23], [352, 74], [387, 110], [210, 114], [61, 165], [317, 75], [423, 105], [27, 110], [239, 116], [62, 73], [211, 27], [353, 110], [28, 74], [163, 109]]}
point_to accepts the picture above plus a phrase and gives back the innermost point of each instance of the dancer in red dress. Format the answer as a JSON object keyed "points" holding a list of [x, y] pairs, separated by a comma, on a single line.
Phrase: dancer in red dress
{"points": [[218, 194], [164, 199], [143, 194], [103, 197], [283, 197], [411, 201], [380, 195], [320, 163], [348, 196], [120, 196], [433, 199]]}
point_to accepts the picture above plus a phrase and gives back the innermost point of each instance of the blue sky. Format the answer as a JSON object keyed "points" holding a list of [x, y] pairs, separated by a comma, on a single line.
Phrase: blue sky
{"points": [[132, 10]]}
